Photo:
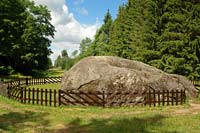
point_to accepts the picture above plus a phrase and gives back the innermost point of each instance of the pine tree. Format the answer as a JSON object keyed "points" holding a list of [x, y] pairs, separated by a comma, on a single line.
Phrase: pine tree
{"points": [[162, 33], [127, 30], [100, 45]]}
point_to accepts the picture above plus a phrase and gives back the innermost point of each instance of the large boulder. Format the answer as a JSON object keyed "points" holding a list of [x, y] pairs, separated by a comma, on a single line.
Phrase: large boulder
{"points": [[113, 73]]}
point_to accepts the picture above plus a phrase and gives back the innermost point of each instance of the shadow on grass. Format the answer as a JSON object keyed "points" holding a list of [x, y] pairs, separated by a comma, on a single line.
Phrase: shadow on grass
{"points": [[124, 125], [28, 121]]}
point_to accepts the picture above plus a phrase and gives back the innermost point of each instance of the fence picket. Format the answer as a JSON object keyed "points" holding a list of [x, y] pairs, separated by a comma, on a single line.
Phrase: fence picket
{"points": [[41, 96], [172, 97], [25, 95], [55, 100], [149, 102], [37, 96], [59, 97], [50, 97], [167, 97], [163, 97], [181, 96], [46, 97], [33, 95], [21, 97], [177, 97]]}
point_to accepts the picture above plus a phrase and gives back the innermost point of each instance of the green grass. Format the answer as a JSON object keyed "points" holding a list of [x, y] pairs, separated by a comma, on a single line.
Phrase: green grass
{"points": [[54, 72], [46, 86], [47, 73], [16, 117]]}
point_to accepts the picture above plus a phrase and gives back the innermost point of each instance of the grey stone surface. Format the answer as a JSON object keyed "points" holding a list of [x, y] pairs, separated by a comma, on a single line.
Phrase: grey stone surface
{"points": [[113, 73]]}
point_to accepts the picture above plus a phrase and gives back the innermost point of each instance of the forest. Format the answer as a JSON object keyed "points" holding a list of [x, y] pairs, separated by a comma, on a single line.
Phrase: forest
{"points": [[162, 33]]}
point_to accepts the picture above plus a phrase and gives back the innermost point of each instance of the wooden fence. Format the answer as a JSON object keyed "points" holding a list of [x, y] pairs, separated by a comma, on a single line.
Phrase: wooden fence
{"points": [[47, 97], [74, 97], [157, 98], [35, 81], [51, 97]]}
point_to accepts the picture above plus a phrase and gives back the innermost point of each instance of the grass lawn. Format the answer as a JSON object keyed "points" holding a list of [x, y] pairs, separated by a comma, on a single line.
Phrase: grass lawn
{"points": [[46, 86], [16, 117], [54, 72]]}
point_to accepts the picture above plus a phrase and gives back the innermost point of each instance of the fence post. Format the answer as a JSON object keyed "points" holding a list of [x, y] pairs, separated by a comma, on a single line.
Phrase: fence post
{"points": [[163, 97], [26, 81], [154, 98], [41, 96], [172, 97], [181, 96], [150, 98], [29, 95], [184, 96], [33, 96], [55, 100], [145, 98], [167, 97], [50, 91], [59, 97], [159, 98], [25, 94], [37, 96], [177, 98], [104, 102], [21, 94], [45, 96]]}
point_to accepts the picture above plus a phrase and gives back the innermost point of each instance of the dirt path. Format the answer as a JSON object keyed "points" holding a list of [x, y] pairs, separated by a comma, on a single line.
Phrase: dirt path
{"points": [[193, 109]]}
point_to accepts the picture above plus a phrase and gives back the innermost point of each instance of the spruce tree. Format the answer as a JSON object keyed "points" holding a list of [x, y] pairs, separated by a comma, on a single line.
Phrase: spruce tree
{"points": [[178, 50], [100, 45]]}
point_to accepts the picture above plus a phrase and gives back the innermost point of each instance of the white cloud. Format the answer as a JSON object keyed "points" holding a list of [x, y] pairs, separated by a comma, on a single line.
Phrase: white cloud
{"points": [[82, 10], [69, 32], [78, 2]]}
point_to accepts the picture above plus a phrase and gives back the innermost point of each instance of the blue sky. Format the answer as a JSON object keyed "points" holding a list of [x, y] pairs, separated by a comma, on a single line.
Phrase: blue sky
{"points": [[93, 9], [75, 20]]}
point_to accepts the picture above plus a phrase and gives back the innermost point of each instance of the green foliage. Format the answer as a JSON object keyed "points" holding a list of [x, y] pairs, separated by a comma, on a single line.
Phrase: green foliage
{"points": [[99, 46], [64, 62], [24, 35], [74, 53], [85, 43], [6, 70], [57, 61], [162, 33], [64, 54]]}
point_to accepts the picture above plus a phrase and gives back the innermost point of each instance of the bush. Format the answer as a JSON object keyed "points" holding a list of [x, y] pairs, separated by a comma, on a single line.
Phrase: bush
{"points": [[6, 70]]}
